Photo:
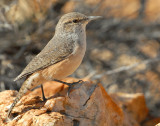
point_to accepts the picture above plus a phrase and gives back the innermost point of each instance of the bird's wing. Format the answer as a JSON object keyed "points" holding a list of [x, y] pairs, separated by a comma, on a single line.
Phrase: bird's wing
{"points": [[51, 54]]}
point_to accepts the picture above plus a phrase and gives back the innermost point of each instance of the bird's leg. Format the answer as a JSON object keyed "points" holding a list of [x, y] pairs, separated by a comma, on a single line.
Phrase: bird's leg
{"points": [[70, 85], [43, 96]]}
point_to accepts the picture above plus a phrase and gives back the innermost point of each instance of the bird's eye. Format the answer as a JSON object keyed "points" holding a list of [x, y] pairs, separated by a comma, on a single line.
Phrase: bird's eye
{"points": [[75, 21]]}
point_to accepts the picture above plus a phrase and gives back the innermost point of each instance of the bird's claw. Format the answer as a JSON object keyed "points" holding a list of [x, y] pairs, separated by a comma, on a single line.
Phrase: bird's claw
{"points": [[71, 85]]}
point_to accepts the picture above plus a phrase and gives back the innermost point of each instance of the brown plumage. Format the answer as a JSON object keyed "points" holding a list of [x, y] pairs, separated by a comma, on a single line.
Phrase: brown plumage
{"points": [[60, 57]]}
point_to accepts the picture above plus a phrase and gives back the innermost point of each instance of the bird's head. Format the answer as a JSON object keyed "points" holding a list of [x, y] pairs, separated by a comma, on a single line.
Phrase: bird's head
{"points": [[73, 21]]}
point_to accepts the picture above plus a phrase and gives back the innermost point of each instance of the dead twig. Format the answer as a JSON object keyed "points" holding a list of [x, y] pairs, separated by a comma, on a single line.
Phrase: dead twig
{"points": [[123, 68]]}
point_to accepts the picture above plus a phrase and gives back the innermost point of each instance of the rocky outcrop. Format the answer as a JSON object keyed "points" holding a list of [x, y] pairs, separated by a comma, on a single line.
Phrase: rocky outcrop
{"points": [[88, 104]]}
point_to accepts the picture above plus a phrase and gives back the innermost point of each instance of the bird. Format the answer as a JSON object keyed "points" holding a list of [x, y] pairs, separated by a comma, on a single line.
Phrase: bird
{"points": [[59, 58]]}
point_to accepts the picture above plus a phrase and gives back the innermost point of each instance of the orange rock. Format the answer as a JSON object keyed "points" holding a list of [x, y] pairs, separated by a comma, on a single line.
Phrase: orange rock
{"points": [[133, 104], [152, 122], [89, 104]]}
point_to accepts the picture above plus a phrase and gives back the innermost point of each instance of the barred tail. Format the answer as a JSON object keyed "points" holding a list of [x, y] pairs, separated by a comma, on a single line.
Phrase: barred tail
{"points": [[21, 92], [27, 85]]}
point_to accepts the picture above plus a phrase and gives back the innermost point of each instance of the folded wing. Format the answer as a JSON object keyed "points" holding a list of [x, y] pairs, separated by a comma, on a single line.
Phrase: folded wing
{"points": [[53, 53]]}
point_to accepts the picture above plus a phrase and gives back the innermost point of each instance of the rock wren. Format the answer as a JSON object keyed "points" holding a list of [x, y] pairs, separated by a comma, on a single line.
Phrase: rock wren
{"points": [[60, 57]]}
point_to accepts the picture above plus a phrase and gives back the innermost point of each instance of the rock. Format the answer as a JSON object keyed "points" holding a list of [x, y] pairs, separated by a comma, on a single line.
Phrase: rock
{"points": [[101, 55], [150, 48], [133, 104], [152, 122], [88, 105], [152, 10], [33, 10], [127, 60]]}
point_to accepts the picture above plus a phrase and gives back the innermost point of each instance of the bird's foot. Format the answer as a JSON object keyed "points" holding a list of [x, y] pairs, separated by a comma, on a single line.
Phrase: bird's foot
{"points": [[70, 85]]}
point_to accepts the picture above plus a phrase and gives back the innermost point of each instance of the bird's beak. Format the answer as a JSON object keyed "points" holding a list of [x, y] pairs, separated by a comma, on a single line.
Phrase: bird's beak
{"points": [[93, 17]]}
